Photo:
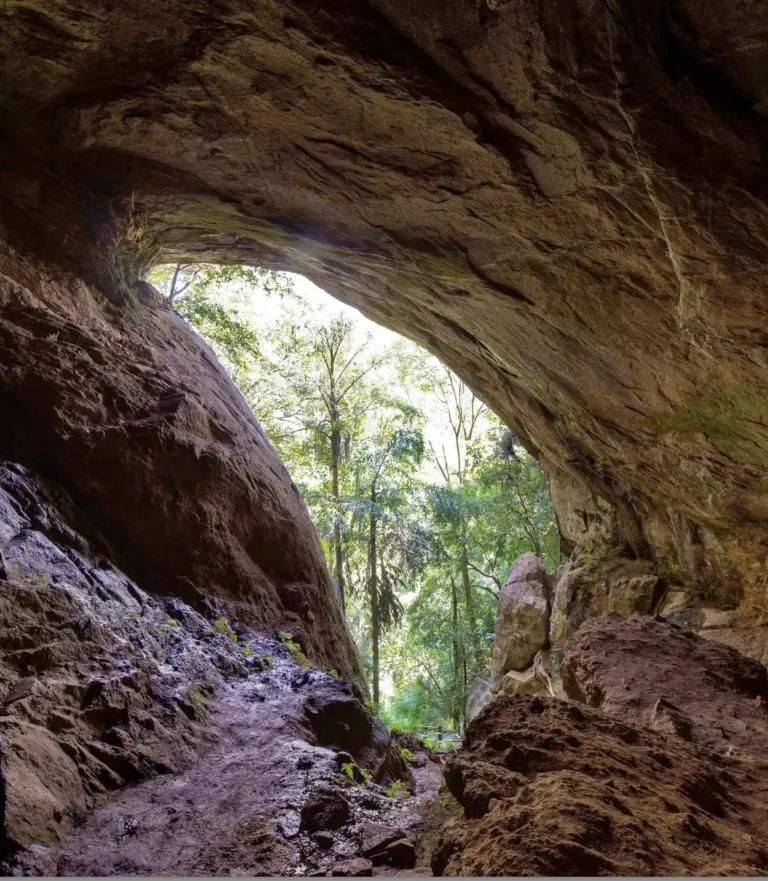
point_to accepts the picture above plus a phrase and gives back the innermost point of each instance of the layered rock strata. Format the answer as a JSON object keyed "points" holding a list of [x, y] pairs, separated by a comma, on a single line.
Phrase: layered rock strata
{"points": [[565, 201]]}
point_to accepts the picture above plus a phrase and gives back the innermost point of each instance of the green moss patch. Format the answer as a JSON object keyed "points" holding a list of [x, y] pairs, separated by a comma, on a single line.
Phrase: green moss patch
{"points": [[732, 419]]}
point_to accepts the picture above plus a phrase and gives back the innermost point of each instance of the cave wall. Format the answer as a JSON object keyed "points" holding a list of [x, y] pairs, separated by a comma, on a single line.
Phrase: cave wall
{"points": [[134, 416], [563, 200]]}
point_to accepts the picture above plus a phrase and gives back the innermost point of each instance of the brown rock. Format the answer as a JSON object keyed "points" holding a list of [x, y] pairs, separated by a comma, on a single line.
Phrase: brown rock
{"points": [[326, 808], [400, 854], [554, 788], [200, 507], [522, 618], [40, 784], [22, 689], [375, 837], [649, 672], [324, 839], [356, 868]]}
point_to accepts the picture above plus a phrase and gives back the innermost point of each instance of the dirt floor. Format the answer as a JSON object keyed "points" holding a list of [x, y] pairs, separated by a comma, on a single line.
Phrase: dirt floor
{"points": [[238, 811]]}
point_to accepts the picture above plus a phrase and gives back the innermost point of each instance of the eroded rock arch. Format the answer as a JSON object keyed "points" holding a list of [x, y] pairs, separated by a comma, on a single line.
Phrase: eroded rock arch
{"points": [[564, 201]]}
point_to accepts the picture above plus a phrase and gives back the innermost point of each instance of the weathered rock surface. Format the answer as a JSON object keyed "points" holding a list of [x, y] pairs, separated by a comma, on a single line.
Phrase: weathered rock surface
{"points": [[651, 673], [98, 684], [535, 680], [551, 787], [131, 413], [566, 202], [522, 618], [103, 684], [325, 809], [480, 695], [586, 587], [737, 628]]}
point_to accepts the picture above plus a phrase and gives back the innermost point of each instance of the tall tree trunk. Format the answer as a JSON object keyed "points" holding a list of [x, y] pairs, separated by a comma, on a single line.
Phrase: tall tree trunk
{"points": [[470, 603], [456, 656], [373, 591], [335, 459], [466, 695]]}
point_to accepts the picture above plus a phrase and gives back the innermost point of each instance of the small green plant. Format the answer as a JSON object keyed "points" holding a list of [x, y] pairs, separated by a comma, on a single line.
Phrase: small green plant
{"points": [[352, 770], [172, 622], [407, 754], [221, 625], [198, 704], [294, 648], [334, 672], [247, 652], [397, 790]]}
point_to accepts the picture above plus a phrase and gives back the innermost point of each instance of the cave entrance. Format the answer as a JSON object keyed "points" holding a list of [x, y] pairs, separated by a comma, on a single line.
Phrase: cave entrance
{"points": [[420, 496]]}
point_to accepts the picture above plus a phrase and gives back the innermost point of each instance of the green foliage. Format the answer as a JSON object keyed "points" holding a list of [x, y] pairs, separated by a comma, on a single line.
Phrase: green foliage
{"points": [[247, 651], [333, 672], [407, 754], [172, 622], [352, 771], [421, 498], [439, 745], [221, 625], [397, 790], [294, 648]]}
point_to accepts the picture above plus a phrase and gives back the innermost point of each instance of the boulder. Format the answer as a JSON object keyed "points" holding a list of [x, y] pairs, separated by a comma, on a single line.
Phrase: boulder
{"points": [[400, 854], [480, 695], [325, 809], [375, 837], [551, 787], [355, 868], [386, 846], [522, 618], [649, 672], [534, 680]]}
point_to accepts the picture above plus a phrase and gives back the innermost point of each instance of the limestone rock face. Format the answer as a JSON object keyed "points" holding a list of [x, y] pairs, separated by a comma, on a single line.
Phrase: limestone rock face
{"points": [[616, 585], [565, 201], [522, 618]]}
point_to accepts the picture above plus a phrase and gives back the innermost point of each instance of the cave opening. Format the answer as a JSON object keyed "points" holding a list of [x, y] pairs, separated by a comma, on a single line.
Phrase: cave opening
{"points": [[421, 497]]}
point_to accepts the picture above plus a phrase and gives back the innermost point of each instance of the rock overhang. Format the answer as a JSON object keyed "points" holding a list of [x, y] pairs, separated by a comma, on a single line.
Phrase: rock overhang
{"points": [[566, 204]]}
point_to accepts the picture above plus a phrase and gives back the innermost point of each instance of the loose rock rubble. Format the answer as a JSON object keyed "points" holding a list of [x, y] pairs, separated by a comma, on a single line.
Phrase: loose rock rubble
{"points": [[237, 749]]}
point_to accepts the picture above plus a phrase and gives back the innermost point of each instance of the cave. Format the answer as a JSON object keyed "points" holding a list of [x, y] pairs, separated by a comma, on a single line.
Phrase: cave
{"points": [[565, 202]]}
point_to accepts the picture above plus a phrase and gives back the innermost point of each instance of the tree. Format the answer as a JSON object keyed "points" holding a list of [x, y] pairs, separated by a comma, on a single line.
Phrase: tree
{"points": [[319, 408], [196, 292], [394, 450], [422, 499]]}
